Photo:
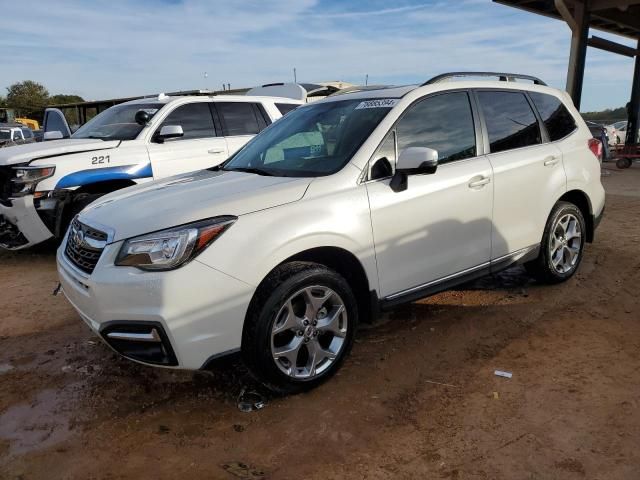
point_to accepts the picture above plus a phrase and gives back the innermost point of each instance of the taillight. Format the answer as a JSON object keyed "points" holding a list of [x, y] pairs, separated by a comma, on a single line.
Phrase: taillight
{"points": [[595, 146]]}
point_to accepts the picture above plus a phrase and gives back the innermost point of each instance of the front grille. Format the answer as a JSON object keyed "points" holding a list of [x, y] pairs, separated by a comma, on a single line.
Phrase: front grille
{"points": [[84, 246], [6, 174]]}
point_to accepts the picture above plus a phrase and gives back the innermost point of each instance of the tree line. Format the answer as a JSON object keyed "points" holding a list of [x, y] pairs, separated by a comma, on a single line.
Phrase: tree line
{"points": [[29, 99]]}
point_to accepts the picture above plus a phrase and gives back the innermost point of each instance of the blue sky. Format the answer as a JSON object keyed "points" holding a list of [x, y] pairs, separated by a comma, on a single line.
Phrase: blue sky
{"points": [[109, 48]]}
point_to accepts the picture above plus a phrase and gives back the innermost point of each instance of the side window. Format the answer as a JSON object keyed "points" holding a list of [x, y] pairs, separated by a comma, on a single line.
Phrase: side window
{"points": [[384, 160], [16, 135], [286, 107], [27, 133], [194, 118], [443, 123], [510, 121], [239, 118], [557, 119]]}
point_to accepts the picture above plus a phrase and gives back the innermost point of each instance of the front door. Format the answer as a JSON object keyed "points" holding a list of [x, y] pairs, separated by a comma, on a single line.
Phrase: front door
{"points": [[197, 149], [440, 226]]}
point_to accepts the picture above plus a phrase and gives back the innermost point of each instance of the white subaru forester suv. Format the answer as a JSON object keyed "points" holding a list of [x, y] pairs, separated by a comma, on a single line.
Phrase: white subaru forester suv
{"points": [[343, 208]]}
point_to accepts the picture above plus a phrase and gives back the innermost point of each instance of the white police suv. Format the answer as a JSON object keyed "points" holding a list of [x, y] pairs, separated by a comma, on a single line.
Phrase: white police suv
{"points": [[44, 185]]}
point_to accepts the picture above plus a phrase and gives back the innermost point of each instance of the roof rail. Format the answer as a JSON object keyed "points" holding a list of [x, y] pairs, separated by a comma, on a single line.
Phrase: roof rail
{"points": [[504, 77]]}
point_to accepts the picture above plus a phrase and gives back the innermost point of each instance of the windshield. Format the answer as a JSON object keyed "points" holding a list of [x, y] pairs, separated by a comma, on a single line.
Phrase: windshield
{"points": [[117, 122], [5, 134], [313, 140]]}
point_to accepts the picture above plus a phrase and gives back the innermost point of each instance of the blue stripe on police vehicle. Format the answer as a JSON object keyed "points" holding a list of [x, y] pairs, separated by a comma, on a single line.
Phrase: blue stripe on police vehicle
{"points": [[124, 172]]}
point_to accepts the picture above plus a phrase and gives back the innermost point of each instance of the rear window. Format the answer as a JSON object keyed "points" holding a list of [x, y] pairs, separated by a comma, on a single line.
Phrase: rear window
{"points": [[557, 119], [510, 120], [239, 118], [286, 107]]}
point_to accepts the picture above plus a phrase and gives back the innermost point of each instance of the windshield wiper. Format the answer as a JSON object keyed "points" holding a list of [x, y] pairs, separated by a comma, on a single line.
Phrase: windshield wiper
{"points": [[257, 171]]}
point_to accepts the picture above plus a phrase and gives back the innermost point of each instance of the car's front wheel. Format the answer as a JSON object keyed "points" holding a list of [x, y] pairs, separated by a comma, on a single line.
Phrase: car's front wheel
{"points": [[562, 245], [300, 327]]}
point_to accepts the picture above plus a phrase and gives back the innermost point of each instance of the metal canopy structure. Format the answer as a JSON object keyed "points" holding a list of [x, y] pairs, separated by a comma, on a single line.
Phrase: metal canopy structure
{"points": [[620, 17]]}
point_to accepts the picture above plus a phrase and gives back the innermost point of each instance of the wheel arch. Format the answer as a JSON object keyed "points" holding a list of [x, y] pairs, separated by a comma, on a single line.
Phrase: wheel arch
{"points": [[68, 201], [105, 186], [581, 200], [347, 265]]}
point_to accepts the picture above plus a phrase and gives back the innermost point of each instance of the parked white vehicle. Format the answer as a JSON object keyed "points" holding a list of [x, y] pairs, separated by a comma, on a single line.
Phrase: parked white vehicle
{"points": [[346, 206], [617, 133], [44, 185]]}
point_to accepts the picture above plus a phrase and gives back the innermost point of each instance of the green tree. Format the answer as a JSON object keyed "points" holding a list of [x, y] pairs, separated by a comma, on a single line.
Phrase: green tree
{"points": [[61, 99], [28, 98]]}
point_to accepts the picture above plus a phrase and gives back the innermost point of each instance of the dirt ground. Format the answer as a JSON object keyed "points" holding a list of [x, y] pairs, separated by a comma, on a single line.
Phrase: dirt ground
{"points": [[418, 397]]}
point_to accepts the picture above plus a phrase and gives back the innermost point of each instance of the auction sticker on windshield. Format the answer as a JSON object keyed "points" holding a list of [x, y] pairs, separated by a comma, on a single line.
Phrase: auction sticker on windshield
{"points": [[381, 103]]}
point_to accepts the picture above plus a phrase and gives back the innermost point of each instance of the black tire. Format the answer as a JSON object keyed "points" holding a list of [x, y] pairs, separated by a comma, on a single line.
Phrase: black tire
{"points": [[542, 268], [281, 284], [623, 163], [78, 203]]}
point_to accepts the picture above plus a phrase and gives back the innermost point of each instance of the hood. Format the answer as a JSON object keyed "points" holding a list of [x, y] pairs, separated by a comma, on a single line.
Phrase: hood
{"points": [[188, 198], [31, 151]]}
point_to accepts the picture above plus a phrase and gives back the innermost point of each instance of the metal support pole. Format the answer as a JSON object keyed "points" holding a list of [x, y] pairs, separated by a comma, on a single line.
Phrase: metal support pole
{"points": [[634, 105], [579, 37]]}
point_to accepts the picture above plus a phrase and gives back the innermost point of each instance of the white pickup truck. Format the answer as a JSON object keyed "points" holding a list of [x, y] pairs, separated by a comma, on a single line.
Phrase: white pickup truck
{"points": [[44, 185]]}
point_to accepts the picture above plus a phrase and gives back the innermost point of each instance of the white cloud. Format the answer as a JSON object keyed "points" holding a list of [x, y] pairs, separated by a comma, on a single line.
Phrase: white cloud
{"points": [[111, 48]]}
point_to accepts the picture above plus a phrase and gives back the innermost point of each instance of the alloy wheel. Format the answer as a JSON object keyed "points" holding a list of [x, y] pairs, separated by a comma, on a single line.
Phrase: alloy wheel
{"points": [[309, 332], [565, 243]]}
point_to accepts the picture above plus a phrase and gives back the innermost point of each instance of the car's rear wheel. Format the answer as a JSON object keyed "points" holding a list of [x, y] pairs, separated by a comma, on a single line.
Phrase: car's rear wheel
{"points": [[300, 327], [623, 163], [562, 245]]}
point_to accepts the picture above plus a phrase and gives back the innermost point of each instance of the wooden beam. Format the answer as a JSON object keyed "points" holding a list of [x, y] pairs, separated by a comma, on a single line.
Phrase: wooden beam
{"points": [[619, 4], [613, 47]]}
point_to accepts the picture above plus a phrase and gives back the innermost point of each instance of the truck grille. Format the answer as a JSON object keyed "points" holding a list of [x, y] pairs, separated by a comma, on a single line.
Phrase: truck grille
{"points": [[84, 246], [6, 174]]}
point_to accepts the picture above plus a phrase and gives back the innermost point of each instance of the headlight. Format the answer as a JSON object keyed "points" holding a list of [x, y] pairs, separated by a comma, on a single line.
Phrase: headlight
{"points": [[27, 178], [169, 249]]}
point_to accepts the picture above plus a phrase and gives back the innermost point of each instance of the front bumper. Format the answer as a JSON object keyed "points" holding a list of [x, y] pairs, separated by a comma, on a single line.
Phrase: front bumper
{"points": [[199, 309], [20, 225]]}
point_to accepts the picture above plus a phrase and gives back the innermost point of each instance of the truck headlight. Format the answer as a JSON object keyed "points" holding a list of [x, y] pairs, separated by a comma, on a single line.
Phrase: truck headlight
{"points": [[171, 248], [27, 178]]}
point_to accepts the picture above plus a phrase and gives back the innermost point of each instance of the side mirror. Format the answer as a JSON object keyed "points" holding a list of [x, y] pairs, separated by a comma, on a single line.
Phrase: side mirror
{"points": [[413, 161], [142, 117], [169, 131], [52, 135]]}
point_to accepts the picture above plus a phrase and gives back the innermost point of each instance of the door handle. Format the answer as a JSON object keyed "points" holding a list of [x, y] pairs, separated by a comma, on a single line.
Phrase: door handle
{"points": [[551, 161], [482, 181], [215, 150]]}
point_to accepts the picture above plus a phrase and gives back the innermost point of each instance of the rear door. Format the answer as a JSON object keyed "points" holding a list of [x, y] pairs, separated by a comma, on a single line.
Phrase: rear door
{"points": [[201, 147], [527, 170], [440, 226], [241, 121]]}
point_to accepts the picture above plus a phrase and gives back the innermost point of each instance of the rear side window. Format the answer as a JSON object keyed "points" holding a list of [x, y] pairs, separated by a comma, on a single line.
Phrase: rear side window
{"points": [[442, 122], [27, 133], [510, 121], [194, 118], [557, 119], [239, 118], [286, 107]]}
